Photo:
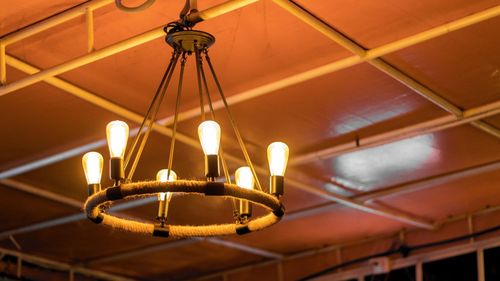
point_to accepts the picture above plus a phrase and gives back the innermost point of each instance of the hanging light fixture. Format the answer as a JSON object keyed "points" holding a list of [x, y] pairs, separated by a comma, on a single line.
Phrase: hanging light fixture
{"points": [[186, 43]]}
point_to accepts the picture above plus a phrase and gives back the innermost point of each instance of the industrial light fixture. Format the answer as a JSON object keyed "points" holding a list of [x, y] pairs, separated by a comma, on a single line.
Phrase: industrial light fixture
{"points": [[186, 43]]}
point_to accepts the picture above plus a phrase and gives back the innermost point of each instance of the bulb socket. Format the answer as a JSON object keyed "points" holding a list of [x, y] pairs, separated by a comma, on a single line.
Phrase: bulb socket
{"points": [[277, 184], [94, 188], [116, 170], [245, 209], [162, 210], [212, 170]]}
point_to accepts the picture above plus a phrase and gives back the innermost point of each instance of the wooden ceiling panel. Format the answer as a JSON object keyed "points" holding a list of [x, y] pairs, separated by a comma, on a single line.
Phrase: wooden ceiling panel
{"points": [[462, 66], [27, 12], [451, 199], [328, 109], [203, 258], [415, 158], [376, 23], [81, 241], [32, 210], [255, 33], [339, 225], [42, 120]]}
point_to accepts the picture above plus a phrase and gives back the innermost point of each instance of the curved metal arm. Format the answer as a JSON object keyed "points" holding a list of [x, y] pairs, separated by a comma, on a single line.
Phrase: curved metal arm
{"points": [[135, 9]]}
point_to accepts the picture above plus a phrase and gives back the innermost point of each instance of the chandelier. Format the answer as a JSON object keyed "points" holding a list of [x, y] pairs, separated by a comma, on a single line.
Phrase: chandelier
{"points": [[245, 191]]}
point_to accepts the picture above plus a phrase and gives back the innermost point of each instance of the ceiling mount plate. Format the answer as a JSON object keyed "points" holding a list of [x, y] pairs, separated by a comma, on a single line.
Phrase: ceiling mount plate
{"points": [[186, 40]]}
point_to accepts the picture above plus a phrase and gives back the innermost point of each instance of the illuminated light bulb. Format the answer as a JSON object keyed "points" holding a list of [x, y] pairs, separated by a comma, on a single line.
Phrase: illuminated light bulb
{"points": [[92, 166], [277, 155], [209, 133], [117, 136], [164, 176], [244, 177]]}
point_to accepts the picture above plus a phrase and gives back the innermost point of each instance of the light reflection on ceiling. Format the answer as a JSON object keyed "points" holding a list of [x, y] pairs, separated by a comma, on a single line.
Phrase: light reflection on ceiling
{"points": [[363, 169]]}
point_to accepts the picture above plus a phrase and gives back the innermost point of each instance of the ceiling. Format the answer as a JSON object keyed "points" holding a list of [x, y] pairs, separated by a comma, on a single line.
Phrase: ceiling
{"points": [[399, 139]]}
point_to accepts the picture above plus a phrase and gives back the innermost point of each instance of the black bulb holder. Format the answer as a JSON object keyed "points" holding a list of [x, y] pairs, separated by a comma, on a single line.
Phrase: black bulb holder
{"points": [[162, 211], [116, 170], [277, 184], [245, 210], [212, 170], [94, 188]]}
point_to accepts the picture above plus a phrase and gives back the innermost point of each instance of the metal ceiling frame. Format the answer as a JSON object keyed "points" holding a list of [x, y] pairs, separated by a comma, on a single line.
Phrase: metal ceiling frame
{"points": [[367, 56]]}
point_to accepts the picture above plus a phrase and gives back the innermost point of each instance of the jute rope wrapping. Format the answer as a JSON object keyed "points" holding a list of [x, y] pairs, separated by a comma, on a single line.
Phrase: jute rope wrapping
{"points": [[103, 199]]}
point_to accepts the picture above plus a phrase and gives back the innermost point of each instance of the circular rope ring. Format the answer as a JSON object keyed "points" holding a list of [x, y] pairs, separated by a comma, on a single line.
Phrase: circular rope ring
{"points": [[96, 205]]}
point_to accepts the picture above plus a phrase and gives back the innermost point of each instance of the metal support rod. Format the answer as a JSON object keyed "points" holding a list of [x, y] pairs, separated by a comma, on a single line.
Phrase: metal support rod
{"points": [[480, 265], [470, 226], [176, 114], [150, 119], [419, 272], [233, 124], [212, 114], [89, 17], [3, 65], [147, 117], [19, 268]]}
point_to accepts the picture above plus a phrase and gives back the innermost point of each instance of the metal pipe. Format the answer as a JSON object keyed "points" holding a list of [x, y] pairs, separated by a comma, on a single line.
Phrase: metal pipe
{"points": [[53, 21], [112, 107], [45, 262], [480, 265], [3, 65], [89, 17]]}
